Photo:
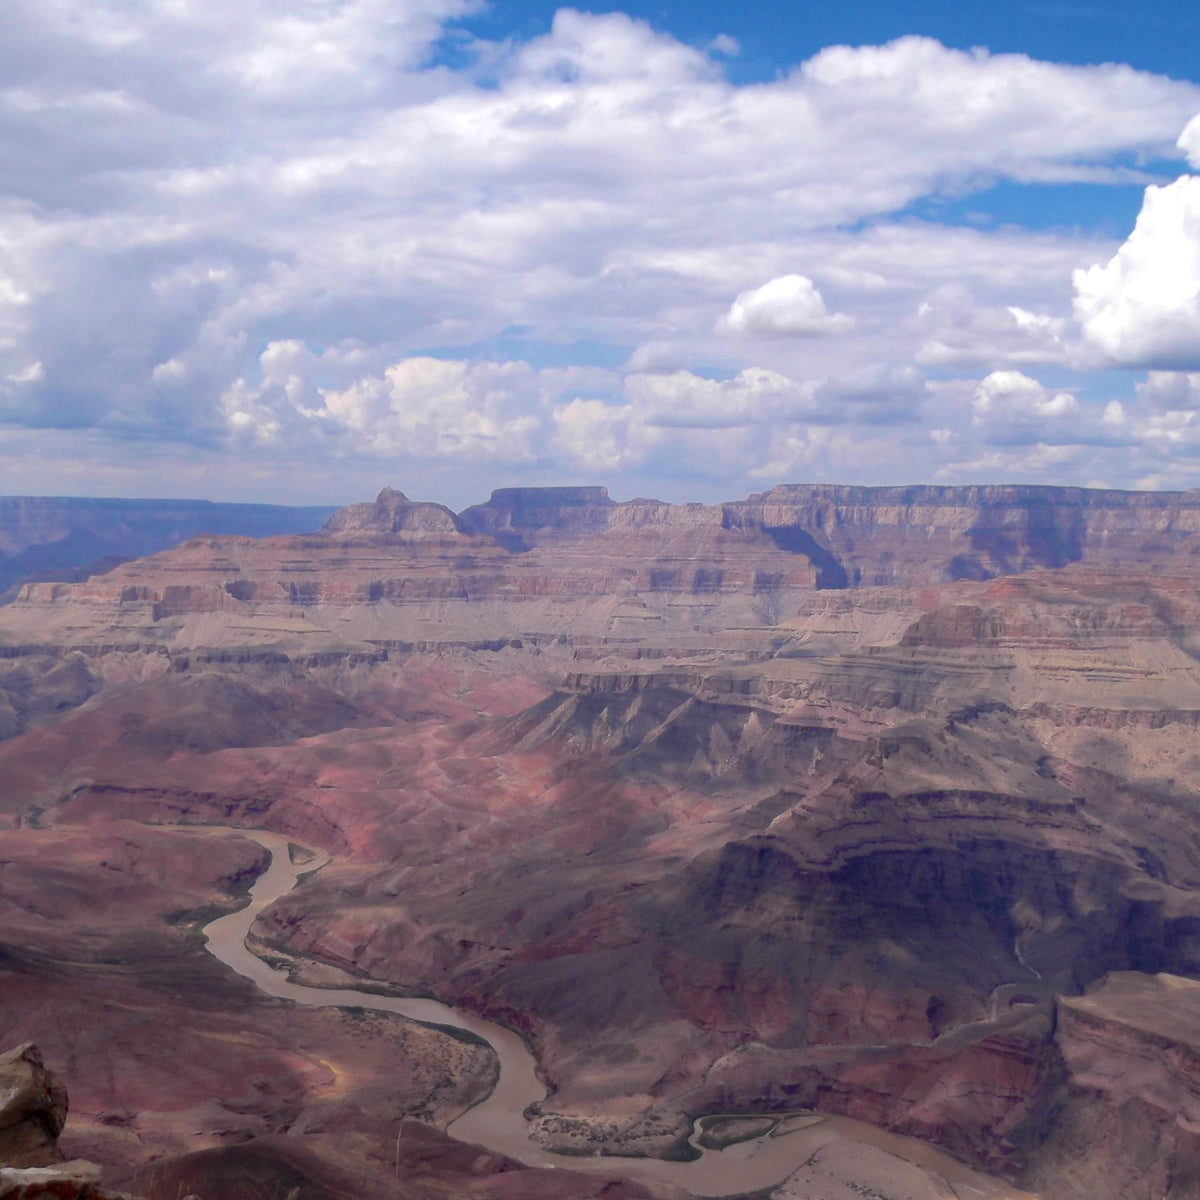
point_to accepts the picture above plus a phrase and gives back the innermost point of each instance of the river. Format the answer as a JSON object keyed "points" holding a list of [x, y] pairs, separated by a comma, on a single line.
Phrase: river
{"points": [[497, 1122]]}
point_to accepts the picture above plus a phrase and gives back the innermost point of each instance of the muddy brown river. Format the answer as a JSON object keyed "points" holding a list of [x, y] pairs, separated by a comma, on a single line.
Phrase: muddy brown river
{"points": [[497, 1122]]}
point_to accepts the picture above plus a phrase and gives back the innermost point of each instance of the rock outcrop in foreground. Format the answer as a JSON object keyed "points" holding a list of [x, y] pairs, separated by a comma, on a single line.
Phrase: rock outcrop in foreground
{"points": [[877, 801], [33, 1111]]}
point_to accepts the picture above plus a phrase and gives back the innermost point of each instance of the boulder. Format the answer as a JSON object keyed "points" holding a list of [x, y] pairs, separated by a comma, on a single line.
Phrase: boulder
{"points": [[33, 1110]]}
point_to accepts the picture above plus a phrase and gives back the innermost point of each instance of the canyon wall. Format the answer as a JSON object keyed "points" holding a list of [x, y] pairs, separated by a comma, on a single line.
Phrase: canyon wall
{"points": [[888, 535]]}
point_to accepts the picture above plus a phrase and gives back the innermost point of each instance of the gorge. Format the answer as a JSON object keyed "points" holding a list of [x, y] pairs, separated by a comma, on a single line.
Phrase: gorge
{"points": [[876, 802], [498, 1122]]}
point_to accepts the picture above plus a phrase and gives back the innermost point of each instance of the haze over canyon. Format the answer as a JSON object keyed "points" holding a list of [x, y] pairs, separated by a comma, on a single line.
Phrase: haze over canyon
{"points": [[875, 802]]}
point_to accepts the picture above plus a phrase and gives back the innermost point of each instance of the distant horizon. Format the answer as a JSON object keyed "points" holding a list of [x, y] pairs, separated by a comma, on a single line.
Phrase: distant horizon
{"points": [[729, 499]]}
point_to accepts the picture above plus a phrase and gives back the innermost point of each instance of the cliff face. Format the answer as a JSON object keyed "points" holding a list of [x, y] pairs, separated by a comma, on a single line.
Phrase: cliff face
{"points": [[1129, 1119], [413, 572], [571, 561], [919, 534], [846, 536], [516, 516], [392, 513], [859, 536]]}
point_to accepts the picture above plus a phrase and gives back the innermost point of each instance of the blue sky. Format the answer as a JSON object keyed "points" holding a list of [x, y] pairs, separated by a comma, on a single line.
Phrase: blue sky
{"points": [[774, 37], [300, 249]]}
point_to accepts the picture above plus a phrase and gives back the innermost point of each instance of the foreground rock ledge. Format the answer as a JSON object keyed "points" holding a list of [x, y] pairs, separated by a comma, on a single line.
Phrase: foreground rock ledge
{"points": [[33, 1112], [33, 1109], [76, 1180]]}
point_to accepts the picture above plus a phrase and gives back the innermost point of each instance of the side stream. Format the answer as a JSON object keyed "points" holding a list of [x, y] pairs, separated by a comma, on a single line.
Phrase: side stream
{"points": [[498, 1123]]}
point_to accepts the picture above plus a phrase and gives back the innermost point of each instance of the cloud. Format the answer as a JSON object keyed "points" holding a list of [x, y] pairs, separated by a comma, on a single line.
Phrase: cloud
{"points": [[962, 333], [1010, 393], [1189, 141], [787, 306], [1163, 391], [1022, 430], [874, 394], [34, 373], [602, 149], [339, 404], [682, 399], [419, 408], [1142, 308], [1011, 408], [1176, 433], [1114, 413], [602, 437], [1037, 462], [266, 52], [664, 357], [430, 408], [20, 395], [266, 232], [755, 426]]}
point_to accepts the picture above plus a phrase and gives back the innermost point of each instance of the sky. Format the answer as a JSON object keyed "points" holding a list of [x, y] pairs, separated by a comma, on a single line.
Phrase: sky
{"points": [[298, 250]]}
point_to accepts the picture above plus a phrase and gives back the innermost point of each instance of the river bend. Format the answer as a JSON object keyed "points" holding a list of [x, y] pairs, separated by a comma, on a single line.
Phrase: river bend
{"points": [[497, 1122]]}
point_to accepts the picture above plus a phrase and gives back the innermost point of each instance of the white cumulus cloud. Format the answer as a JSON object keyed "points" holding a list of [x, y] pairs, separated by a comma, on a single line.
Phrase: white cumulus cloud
{"points": [[789, 305], [1189, 141], [1012, 407], [420, 408], [684, 399], [1142, 307], [603, 437], [300, 232]]}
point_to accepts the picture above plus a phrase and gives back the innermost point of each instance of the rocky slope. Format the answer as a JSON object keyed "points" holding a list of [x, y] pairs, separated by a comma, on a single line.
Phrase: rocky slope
{"points": [[840, 797]]}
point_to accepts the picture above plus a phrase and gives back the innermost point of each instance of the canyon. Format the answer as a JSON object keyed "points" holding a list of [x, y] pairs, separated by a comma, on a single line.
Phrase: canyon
{"points": [[876, 803]]}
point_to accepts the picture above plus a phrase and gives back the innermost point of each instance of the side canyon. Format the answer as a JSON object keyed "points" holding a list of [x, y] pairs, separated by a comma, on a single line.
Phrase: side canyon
{"points": [[878, 803]]}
